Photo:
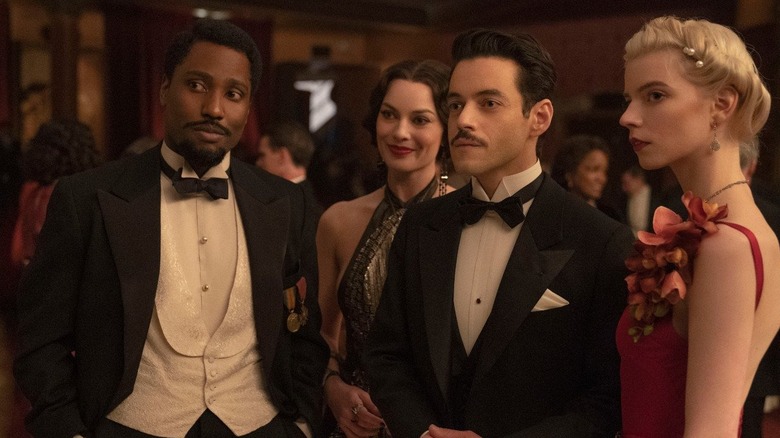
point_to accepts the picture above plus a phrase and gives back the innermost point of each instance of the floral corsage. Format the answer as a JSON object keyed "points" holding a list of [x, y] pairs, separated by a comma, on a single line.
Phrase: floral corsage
{"points": [[661, 266]]}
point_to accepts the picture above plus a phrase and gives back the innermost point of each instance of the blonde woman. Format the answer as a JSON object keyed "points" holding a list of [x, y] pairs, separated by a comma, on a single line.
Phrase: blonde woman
{"points": [[704, 295]]}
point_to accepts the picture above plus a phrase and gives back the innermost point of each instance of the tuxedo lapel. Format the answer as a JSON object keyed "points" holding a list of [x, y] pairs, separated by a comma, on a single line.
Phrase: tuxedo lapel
{"points": [[266, 216], [131, 215], [439, 240], [533, 264]]}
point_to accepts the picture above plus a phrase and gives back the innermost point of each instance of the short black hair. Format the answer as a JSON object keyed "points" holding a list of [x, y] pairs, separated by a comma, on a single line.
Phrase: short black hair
{"points": [[432, 73], [536, 79], [218, 32], [292, 136], [60, 148]]}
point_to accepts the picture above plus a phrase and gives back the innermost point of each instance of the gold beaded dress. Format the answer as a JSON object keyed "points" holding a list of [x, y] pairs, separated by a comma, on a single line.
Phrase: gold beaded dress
{"points": [[362, 283]]}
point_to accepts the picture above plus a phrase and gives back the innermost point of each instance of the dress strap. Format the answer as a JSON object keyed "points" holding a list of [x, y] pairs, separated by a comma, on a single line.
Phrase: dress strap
{"points": [[758, 260]]}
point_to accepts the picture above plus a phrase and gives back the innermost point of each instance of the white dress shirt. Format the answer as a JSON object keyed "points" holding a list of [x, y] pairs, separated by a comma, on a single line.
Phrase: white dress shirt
{"points": [[483, 253], [638, 209]]}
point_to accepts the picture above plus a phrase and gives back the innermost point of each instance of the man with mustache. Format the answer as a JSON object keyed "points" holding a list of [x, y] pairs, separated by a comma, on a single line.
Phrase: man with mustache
{"points": [[169, 296], [501, 301]]}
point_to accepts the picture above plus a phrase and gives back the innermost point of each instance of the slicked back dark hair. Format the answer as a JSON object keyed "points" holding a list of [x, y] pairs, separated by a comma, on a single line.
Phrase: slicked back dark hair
{"points": [[218, 32], [536, 78], [432, 73]]}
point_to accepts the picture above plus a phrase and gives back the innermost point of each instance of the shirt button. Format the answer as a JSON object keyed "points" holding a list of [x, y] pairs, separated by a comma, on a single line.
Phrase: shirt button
{"points": [[213, 373], [203, 240], [213, 387], [211, 401], [479, 300], [211, 359], [204, 288]]}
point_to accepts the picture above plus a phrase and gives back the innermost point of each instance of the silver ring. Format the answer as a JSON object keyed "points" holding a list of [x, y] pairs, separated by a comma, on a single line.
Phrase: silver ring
{"points": [[356, 409]]}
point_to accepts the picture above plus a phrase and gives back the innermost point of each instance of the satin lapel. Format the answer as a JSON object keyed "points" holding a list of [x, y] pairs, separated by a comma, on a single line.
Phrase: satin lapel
{"points": [[535, 261], [439, 240], [266, 216], [131, 215]]}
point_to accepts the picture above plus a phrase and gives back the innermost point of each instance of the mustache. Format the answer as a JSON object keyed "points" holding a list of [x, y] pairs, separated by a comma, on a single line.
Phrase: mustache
{"points": [[466, 135], [209, 125]]}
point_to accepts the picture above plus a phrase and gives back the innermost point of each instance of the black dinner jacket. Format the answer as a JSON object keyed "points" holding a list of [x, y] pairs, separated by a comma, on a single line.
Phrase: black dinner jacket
{"points": [[87, 297], [552, 373]]}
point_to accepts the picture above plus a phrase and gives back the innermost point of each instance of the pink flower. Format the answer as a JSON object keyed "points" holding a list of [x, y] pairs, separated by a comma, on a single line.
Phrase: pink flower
{"points": [[673, 288], [666, 224]]}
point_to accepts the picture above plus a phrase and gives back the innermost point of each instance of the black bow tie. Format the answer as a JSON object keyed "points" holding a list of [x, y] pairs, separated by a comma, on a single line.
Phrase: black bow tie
{"points": [[510, 209], [215, 187]]}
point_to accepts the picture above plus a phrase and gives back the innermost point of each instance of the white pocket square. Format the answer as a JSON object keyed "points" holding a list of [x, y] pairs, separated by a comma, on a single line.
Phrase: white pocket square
{"points": [[550, 300]]}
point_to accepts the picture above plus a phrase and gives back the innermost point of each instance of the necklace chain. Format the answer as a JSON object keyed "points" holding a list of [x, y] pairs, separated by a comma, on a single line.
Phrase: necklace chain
{"points": [[726, 187]]}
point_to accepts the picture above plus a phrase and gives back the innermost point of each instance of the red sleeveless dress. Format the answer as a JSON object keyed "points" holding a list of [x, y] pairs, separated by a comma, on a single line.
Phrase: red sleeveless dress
{"points": [[653, 369]]}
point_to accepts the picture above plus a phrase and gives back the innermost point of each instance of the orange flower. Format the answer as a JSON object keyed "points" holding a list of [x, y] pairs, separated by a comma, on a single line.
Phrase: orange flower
{"points": [[660, 266], [704, 214]]}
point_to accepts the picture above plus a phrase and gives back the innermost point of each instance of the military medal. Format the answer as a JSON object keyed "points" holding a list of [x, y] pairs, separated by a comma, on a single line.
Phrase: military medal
{"points": [[293, 322], [301, 294], [294, 297], [293, 319], [304, 314]]}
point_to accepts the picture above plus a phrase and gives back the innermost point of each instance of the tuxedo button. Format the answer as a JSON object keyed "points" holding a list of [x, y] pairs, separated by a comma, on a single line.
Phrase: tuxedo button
{"points": [[203, 240], [205, 287]]}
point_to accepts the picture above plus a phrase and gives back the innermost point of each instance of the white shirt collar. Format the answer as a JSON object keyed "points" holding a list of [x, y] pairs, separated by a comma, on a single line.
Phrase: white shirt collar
{"points": [[509, 185]]}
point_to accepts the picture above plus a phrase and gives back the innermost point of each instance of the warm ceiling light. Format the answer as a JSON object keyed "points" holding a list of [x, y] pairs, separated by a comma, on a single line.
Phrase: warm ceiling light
{"points": [[206, 13]]}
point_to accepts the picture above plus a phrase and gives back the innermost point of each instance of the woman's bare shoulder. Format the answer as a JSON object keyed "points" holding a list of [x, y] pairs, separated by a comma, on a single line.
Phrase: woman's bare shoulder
{"points": [[344, 215]]}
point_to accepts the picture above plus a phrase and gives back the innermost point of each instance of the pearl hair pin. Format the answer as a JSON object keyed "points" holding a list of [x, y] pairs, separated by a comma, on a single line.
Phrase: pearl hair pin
{"points": [[690, 51]]}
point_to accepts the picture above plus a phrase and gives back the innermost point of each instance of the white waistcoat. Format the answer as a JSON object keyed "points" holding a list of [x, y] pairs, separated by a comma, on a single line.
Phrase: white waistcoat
{"points": [[183, 371]]}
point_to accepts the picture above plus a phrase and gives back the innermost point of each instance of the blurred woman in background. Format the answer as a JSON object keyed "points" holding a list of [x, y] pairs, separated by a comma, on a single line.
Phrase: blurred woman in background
{"points": [[581, 166], [59, 148]]}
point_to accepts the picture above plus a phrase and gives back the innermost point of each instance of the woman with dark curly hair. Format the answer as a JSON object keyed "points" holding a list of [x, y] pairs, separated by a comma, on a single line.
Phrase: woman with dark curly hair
{"points": [[59, 148], [581, 166]]}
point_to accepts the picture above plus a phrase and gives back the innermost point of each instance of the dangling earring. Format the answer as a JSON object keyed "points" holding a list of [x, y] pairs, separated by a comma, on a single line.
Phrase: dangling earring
{"points": [[443, 177], [715, 145]]}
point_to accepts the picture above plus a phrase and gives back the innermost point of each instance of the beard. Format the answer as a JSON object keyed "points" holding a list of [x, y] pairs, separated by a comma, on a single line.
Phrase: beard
{"points": [[201, 160]]}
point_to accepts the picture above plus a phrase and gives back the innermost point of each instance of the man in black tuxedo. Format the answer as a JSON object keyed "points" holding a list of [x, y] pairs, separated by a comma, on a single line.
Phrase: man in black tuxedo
{"points": [[491, 325], [166, 297], [285, 150]]}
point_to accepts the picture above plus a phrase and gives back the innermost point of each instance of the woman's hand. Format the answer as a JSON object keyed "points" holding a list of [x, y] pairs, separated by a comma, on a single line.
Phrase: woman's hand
{"points": [[440, 432], [355, 413]]}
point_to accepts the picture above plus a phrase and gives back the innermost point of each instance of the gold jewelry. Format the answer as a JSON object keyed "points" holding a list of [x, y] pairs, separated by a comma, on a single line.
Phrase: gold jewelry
{"points": [[330, 373], [443, 174], [726, 187], [715, 145], [443, 182], [355, 410]]}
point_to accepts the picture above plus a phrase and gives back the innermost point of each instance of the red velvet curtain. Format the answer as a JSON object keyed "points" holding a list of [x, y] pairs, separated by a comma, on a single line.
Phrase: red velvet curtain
{"points": [[136, 40]]}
